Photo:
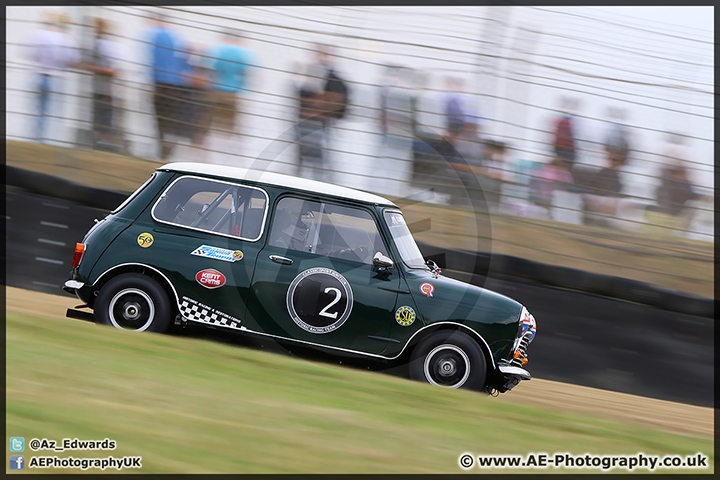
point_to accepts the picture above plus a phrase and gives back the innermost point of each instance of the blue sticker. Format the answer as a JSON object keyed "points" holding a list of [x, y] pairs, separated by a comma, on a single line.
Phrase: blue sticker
{"points": [[223, 254]]}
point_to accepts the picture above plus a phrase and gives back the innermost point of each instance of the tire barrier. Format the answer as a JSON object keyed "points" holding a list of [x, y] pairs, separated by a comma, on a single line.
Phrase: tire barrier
{"points": [[573, 279], [50, 186]]}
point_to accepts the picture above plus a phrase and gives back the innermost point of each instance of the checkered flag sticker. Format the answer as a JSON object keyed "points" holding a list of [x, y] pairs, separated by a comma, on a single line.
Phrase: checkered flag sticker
{"points": [[195, 311]]}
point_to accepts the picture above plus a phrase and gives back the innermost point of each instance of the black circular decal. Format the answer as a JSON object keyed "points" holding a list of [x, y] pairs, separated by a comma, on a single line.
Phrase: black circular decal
{"points": [[319, 300]]}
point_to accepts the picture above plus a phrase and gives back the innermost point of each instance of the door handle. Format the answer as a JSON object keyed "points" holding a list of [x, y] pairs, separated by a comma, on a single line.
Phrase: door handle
{"points": [[281, 260]]}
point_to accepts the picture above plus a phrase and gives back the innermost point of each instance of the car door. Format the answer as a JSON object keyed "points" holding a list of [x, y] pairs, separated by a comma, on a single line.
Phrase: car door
{"points": [[315, 281], [206, 239]]}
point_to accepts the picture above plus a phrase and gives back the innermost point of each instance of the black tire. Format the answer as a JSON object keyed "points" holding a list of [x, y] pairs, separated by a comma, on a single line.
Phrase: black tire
{"points": [[133, 302], [449, 359]]}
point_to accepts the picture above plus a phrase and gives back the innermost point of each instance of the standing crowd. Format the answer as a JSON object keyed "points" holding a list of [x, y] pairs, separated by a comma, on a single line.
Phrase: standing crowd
{"points": [[196, 90]]}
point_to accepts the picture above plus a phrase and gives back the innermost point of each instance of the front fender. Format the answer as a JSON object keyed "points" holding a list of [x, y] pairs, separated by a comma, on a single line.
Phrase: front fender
{"points": [[492, 316]]}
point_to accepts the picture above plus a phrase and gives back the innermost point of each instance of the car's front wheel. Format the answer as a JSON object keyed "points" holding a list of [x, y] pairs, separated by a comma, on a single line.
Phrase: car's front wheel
{"points": [[133, 302], [449, 359]]}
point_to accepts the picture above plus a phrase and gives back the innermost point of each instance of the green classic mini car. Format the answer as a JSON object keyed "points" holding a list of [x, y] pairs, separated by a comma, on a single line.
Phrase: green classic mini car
{"points": [[297, 261]]}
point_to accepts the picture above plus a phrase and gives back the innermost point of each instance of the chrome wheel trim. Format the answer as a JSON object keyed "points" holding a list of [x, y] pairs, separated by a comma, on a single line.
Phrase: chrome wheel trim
{"points": [[132, 310], [446, 366]]}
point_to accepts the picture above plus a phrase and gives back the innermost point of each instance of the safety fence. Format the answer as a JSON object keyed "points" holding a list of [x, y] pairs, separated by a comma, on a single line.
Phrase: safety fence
{"points": [[559, 129]]}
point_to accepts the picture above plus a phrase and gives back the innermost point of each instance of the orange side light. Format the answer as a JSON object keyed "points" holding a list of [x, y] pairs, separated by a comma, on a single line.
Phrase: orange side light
{"points": [[79, 251]]}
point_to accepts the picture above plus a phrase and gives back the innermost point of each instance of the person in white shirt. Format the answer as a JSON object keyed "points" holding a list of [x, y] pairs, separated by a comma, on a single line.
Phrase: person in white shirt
{"points": [[53, 52]]}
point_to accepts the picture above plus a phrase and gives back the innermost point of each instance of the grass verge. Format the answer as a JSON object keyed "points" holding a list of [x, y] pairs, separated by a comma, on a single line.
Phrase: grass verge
{"points": [[193, 406]]}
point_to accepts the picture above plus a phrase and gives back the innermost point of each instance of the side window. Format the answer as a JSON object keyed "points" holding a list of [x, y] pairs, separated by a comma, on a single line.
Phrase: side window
{"points": [[213, 206], [326, 229]]}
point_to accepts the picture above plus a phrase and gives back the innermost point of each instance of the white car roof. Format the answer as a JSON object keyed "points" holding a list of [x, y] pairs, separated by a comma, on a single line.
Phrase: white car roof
{"points": [[276, 179]]}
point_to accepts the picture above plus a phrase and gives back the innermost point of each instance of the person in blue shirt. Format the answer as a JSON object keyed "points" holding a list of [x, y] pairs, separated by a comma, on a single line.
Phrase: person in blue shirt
{"points": [[230, 66], [169, 74], [456, 114]]}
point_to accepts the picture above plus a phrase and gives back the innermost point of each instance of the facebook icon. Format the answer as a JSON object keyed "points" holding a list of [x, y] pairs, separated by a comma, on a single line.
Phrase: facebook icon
{"points": [[17, 462]]}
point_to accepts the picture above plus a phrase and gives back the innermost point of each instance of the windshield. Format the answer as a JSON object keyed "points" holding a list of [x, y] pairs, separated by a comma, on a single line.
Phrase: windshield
{"points": [[404, 240]]}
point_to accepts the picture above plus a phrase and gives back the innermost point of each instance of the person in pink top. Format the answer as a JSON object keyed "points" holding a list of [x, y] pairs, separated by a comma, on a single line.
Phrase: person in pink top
{"points": [[546, 179]]}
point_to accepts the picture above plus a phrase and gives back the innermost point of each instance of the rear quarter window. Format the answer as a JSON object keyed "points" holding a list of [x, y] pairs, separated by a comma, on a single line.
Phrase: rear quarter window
{"points": [[213, 206]]}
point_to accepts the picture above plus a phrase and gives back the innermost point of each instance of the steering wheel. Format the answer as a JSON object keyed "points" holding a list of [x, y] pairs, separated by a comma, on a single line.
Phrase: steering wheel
{"points": [[359, 253], [363, 253]]}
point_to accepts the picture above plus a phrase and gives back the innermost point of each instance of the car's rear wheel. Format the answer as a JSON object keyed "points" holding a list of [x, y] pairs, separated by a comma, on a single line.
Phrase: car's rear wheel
{"points": [[133, 302], [449, 359]]}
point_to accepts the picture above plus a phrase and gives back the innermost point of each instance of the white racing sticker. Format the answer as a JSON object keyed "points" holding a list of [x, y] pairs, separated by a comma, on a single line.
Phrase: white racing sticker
{"points": [[217, 253], [319, 300], [199, 312]]}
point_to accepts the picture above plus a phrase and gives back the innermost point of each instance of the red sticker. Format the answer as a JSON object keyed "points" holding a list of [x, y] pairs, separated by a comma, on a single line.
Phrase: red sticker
{"points": [[427, 289], [210, 278]]}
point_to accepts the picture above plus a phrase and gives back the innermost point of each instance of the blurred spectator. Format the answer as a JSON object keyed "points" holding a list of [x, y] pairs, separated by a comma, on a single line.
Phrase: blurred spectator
{"points": [[468, 162], [430, 150], [606, 197], [394, 160], [197, 102], [469, 143], [400, 104], [323, 100], [417, 83], [54, 52], [676, 187], [675, 150], [169, 69], [387, 79], [545, 181], [495, 173], [309, 135], [617, 140], [105, 60], [462, 144], [455, 108], [564, 142], [675, 190], [336, 93], [230, 64]]}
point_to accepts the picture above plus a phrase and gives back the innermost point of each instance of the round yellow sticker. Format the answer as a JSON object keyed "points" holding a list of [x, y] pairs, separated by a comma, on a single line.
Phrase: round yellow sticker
{"points": [[405, 316], [237, 255], [145, 239]]}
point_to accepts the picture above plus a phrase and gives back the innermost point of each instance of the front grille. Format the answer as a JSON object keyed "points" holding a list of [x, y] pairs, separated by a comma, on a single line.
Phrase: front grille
{"points": [[520, 352], [528, 329]]}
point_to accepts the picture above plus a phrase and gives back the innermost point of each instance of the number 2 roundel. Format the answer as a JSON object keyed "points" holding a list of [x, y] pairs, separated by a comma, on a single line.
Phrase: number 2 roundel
{"points": [[319, 300]]}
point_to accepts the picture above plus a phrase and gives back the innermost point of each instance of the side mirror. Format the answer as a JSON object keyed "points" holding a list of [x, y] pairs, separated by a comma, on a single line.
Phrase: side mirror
{"points": [[382, 261], [433, 267]]}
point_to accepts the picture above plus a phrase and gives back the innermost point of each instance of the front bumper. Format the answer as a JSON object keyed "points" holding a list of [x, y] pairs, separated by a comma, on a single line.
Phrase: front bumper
{"points": [[513, 376], [510, 372]]}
